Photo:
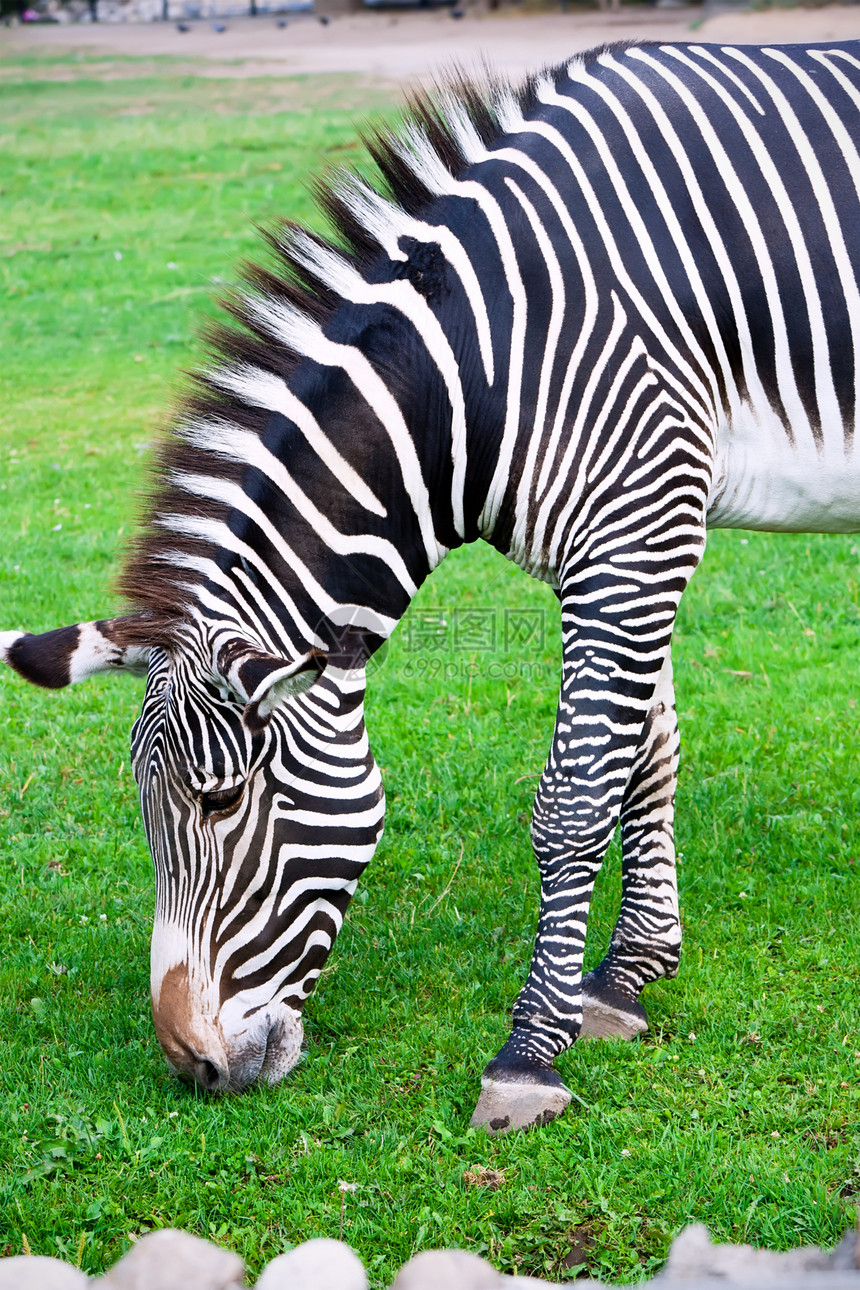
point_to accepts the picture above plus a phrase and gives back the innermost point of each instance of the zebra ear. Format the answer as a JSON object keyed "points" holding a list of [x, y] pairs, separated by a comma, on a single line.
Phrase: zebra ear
{"points": [[69, 654], [265, 681]]}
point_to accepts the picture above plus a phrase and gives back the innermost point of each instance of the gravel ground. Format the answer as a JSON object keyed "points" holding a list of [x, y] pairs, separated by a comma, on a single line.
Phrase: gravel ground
{"points": [[407, 46]]}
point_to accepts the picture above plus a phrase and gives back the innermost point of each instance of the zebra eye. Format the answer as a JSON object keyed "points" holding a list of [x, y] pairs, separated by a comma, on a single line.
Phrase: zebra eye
{"points": [[222, 799]]}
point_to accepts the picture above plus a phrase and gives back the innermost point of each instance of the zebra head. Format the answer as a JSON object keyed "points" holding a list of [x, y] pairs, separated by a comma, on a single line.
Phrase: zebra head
{"points": [[261, 804]]}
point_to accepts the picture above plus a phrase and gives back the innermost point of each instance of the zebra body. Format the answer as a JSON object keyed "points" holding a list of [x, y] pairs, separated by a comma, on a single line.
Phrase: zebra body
{"points": [[589, 320]]}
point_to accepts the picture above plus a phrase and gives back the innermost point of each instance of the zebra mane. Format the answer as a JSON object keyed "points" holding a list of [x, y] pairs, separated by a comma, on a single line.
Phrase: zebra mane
{"points": [[442, 131]]}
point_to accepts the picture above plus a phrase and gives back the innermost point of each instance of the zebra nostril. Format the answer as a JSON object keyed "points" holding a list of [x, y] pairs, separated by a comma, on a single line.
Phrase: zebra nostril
{"points": [[208, 1076]]}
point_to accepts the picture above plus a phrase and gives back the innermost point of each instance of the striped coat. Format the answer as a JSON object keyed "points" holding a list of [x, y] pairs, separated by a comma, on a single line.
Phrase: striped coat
{"points": [[585, 321]]}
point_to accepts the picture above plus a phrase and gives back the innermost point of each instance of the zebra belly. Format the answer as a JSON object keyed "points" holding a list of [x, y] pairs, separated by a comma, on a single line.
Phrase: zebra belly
{"points": [[764, 480]]}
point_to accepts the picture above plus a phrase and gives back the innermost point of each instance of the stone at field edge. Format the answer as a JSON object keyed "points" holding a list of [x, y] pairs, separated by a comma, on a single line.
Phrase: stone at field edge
{"points": [[534, 1283], [172, 1260], [32, 1272], [503, 1107], [694, 1257], [320, 1264], [447, 1270]]}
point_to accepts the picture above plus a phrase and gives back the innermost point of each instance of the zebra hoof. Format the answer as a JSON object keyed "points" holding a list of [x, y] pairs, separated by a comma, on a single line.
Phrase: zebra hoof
{"points": [[609, 1014], [505, 1106]]}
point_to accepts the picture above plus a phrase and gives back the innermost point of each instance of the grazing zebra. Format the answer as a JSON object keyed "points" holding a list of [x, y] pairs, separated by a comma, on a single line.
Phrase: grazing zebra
{"points": [[585, 321]]}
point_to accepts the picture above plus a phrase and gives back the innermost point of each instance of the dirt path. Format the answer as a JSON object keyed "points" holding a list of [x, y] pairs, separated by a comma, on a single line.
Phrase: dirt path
{"points": [[405, 46]]}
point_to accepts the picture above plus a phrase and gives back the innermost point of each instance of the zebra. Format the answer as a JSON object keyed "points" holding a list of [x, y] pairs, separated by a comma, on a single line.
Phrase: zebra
{"points": [[585, 319]]}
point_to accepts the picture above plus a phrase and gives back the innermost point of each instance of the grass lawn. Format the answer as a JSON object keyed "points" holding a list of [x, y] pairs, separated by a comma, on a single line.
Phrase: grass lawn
{"points": [[122, 202]]}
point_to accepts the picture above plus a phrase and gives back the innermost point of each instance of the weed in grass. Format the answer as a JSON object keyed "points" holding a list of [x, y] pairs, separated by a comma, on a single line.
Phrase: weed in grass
{"points": [[740, 1109]]}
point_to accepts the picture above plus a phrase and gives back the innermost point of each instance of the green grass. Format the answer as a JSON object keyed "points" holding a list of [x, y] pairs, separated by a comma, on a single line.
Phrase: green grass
{"points": [[741, 1107]]}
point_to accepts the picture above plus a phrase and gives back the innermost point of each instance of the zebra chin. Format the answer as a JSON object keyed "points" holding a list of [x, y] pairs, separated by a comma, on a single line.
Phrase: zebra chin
{"points": [[223, 1050]]}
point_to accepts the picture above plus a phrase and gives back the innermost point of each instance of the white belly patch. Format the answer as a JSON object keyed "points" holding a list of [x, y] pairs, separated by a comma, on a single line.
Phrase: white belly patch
{"points": [[764, 481]]}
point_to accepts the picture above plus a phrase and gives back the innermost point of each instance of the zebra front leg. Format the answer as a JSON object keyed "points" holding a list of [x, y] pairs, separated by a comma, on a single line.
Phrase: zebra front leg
{"points": [[571, 829], [614, 746], [577, 807], [646, 942], [629, 565]]}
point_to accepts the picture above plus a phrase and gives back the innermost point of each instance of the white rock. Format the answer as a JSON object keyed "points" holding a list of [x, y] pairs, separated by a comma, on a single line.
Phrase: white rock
{"points": [[447, 1270], [694, 1256], [534, 1283], [320, 1264], [31, 1272], [171, 1260]]}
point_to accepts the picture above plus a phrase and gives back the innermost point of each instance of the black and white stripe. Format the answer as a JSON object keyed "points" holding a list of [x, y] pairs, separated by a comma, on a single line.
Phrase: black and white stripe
{"points": [[585, 321]]}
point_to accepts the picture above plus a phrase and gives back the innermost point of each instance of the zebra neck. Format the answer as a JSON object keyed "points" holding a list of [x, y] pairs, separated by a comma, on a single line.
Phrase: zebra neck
{"points": [[327, 466], [323, 518]]}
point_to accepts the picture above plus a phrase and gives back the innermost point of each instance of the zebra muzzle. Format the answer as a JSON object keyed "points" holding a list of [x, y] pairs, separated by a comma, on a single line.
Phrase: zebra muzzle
{"points": [[228, 1050]]}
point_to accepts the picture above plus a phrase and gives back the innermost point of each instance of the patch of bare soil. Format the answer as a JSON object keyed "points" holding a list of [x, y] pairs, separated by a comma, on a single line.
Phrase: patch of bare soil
{"points": [[400, 47]]}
